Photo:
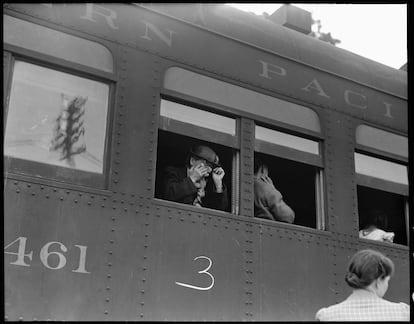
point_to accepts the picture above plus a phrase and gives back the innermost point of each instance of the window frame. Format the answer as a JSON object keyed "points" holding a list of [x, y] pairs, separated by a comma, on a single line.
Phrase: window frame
{"points": [[382, 184], [63, 30], [287, 153], [8, 63], [290, 154], [184, 129], [21, 168], [378, 183], [378, 152], [406, 219], [276, 150]]}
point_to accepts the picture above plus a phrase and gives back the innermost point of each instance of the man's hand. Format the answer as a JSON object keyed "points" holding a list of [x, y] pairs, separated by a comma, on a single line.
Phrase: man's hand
{"points": [[218, 174], [266, 179], [198, 172]]}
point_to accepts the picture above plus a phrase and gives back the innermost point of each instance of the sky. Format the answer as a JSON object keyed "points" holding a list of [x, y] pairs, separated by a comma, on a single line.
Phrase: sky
{"points": [[375, 31]]}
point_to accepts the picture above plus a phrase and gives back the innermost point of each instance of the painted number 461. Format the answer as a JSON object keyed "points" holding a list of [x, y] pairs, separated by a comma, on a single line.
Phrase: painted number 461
{"points": [[45, 254]]}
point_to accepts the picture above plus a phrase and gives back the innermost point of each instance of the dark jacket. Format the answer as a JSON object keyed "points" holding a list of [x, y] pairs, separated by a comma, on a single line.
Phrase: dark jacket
{"points": [[178, 187], [268, 203]]}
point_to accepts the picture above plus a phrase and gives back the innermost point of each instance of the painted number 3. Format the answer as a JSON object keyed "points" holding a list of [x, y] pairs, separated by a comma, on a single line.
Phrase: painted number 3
{"points": [[205, 271]]}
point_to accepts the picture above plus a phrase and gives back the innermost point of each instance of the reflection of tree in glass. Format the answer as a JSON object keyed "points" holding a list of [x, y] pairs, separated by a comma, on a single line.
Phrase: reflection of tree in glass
{"points": [[69, 132]]}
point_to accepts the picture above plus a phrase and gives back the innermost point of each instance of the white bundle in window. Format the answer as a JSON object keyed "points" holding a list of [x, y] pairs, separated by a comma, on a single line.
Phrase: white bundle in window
{"points": [[377, 235]]}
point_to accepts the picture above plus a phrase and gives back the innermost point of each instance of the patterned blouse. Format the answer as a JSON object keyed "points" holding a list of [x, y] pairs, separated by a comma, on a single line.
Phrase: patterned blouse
{"points": [[363, 305]]}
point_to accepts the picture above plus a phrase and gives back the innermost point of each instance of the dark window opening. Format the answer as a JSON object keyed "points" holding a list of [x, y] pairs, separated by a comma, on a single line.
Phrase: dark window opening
{"points": [[173, 151], [296, 182], [392, 206]]}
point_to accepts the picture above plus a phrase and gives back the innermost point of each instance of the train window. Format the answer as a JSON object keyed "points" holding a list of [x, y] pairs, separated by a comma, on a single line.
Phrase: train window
{"points": [[181, 129], [42, 39], [56, 119], [382, 189], [382, 185], [290, 160], [383, 215]]}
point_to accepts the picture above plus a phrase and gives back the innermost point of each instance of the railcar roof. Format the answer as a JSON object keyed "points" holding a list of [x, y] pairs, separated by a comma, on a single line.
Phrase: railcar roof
{"points": [[261, 32]]}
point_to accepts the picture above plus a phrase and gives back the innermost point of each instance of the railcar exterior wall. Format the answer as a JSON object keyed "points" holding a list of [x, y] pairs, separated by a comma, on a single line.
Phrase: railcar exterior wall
{"points": [[75, 252]]}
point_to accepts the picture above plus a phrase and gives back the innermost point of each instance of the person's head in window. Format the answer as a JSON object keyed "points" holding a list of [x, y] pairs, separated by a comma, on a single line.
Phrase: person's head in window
{"points": [[378, 218], [260, 167], [200, 182], [268, 201], [201, 154], [376, 226]]}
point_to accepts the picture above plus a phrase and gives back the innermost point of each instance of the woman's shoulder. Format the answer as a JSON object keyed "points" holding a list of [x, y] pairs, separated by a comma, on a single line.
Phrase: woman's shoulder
{"points": [[326, 313], [377, 308], [320, 313], [397, 305], [398, 310]]}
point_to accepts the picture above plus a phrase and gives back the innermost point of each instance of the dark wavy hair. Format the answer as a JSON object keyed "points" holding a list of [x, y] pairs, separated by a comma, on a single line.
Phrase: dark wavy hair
{"points": [[259, 162], [366, 266], [378, 218]]}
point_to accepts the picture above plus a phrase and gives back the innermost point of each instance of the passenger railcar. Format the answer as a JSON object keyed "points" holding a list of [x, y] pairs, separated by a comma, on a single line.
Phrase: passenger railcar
{"points": [[99, 98]]}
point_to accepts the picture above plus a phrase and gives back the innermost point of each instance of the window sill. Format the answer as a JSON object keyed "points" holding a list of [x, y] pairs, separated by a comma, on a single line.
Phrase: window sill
{"points": [[239, 218], [385, 244], [58, 184], [190, 208]]}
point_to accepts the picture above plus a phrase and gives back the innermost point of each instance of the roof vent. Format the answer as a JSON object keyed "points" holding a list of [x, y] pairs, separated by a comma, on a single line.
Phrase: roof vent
{"points": [[294, 18]]}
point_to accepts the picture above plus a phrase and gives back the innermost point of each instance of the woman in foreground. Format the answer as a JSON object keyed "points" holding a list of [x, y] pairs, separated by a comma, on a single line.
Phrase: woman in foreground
{"points": [[368, 274]]}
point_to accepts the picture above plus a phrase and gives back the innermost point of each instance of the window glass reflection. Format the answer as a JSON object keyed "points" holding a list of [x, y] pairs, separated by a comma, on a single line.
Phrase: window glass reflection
{"points": [[378, 168], [198, 117], [291, 141], [382, 140], [56, 118]]}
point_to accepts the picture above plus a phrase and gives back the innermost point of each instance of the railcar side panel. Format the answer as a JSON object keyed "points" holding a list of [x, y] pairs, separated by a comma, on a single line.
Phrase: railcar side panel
{"points": [[134, 142], [261, 33], [55, 268], [167, 37], [338, 148], [125, 264], [121, 253], [196, 261], [286, 265]]}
